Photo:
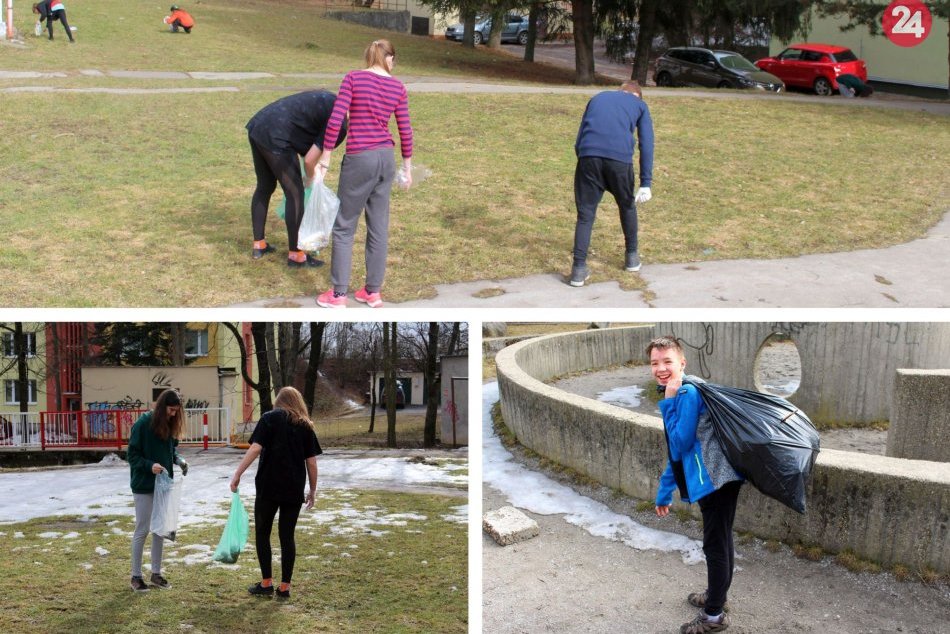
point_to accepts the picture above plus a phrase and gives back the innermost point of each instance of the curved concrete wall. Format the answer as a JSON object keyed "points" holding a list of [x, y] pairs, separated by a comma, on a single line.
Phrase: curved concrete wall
{"points": [[921, 416], [885, 509], [847, 368]]}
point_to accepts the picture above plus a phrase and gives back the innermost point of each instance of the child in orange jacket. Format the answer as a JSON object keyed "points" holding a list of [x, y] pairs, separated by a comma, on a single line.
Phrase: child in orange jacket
{"points": [[179, 19]]}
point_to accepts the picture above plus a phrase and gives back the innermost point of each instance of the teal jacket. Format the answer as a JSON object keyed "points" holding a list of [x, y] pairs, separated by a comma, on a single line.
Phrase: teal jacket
{"points": [[145, 449]]}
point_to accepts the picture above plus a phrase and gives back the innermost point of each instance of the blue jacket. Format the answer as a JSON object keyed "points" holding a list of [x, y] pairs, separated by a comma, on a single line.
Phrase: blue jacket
{"points": [[607, 130], [691, 442]]}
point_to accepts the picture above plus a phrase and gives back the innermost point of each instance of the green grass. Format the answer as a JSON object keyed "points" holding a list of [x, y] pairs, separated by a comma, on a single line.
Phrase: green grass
{"points": [[411, 579], [143, 200]]}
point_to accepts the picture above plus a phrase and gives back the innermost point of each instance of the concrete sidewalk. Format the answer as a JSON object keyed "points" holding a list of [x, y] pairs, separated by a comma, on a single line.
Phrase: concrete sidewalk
{"points": [[910, 275]]}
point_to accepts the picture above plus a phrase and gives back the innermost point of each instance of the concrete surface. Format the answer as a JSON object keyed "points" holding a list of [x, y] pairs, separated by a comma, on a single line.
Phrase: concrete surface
{"points": [[508, 525], [885, 509], [920, 419]]}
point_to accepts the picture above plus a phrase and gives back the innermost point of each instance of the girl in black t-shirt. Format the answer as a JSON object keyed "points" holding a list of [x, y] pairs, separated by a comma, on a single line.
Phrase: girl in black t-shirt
{"points": [[288, 447]]}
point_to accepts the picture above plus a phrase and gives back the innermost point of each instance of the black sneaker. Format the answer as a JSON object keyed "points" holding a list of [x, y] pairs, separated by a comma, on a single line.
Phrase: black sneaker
{"points": [[138, 585], [311, 262], [257, 254], [283, 594], [159, 581], [631, 261], [579, 274], [257, 588]]}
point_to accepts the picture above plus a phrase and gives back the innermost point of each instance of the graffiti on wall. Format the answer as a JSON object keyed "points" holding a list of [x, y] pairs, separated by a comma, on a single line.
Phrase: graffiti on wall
{"points": [[160, 379], [194, 403]]}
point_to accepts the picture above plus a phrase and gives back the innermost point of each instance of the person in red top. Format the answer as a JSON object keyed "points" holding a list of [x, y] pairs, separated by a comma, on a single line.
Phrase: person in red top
{"points": [[371, 97], [179, 19]]}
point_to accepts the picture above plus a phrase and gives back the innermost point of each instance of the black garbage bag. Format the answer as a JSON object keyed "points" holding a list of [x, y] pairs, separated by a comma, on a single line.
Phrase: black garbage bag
{"points": [[767, 440]]}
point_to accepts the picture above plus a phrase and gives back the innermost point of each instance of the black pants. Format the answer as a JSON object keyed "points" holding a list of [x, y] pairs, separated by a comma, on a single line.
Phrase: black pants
{"points": [[271, 168], [592, 177], [719, 513], [58, 14], [264, 512], [177, 25]]}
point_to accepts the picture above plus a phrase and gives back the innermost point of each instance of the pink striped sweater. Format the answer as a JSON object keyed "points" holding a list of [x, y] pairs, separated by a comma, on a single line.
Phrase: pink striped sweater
{"points": [[371, 100]]}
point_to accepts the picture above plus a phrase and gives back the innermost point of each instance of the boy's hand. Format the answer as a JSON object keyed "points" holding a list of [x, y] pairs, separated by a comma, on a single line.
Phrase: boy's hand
{"points": [[643, 194], [662, 511], [673, 385]]}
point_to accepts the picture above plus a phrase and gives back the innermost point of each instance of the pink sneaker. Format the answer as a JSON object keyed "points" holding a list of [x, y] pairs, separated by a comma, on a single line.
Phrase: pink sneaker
{"points": [[373, 300], [327, 300]]}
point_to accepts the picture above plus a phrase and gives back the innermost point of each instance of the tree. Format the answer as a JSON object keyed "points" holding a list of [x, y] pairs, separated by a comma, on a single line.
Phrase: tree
{"points": [[263, 386], [389, 378], [134, 344], [317, 329], [432, 383], [583, 12]]}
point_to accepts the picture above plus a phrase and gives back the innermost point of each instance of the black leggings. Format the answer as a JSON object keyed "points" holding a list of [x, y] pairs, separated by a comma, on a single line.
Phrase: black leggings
{"points": [[271, 168], [177, 25], [719, 513], [58, 14], [592, 177], [264, 512]]}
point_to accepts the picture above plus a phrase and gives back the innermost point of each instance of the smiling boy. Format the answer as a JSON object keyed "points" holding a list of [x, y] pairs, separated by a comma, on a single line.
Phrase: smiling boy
{"points": [[697, 467]]}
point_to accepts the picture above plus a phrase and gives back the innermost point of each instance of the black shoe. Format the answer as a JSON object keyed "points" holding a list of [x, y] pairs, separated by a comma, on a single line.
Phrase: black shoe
{"points": [[283, 594], [579, 274], [138, 585], [159, 581], [311, 262], [258, 253], [257, 588], [631, 261]]}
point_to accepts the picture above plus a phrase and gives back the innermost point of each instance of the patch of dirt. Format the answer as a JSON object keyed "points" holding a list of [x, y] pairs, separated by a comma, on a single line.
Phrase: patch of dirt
{"points": [[567, 581]]}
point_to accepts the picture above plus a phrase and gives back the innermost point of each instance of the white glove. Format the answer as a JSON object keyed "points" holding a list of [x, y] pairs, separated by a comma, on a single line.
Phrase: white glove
{"points": [[643, 194]]}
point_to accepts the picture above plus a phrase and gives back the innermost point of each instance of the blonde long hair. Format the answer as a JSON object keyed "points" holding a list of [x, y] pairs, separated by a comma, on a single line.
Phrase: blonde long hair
{"points": [[376, 53], [291, 401]]}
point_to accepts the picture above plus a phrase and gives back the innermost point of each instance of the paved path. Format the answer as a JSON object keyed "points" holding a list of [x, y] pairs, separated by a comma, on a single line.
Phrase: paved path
{"points": [[910, 275]]}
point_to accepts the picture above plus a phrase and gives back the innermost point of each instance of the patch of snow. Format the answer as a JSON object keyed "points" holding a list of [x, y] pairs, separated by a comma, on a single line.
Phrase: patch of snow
{"points": [[540, 494], [49, 535], [72, 535], [102, 552], [112, 459], [625, 396]]}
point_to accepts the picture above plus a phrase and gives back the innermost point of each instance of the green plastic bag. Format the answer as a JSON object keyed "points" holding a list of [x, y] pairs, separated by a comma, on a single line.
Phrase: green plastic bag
{"points": [[235, 533], [281, 207]]}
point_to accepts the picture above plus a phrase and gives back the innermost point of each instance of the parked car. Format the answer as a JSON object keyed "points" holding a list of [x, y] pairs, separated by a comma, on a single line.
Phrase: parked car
{"points": [[694, 66], [457, 31], [516, 30], [814, 66]]}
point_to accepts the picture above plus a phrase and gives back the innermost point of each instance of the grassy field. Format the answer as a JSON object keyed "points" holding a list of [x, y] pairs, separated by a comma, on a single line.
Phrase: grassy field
{"points": [[411, 579], [143, 199]]}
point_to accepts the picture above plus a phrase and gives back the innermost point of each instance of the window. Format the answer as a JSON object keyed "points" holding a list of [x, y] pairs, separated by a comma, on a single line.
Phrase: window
{"points": [[196, 343], [811, 56], [13, 398], [845, 56], [9, 346], [790, 54]]}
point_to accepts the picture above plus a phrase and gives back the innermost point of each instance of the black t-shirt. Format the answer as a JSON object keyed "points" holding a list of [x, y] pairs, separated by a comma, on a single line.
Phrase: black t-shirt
{"points": [[295, 122], [282, 472]]}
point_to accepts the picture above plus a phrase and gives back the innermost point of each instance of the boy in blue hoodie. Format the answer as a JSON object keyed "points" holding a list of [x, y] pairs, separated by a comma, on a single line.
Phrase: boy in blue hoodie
{"points": [[697, 467]]}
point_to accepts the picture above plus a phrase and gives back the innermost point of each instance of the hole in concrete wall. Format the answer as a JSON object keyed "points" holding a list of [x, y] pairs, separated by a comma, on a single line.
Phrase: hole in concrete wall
{"points": [[778, 366]]}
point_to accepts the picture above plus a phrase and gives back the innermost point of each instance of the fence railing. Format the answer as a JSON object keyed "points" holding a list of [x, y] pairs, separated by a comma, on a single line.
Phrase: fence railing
{"points": [[381, 5], [103, 428]]}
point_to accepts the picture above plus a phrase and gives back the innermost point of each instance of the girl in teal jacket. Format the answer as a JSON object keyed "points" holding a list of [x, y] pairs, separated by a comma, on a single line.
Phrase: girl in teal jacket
{"points": [[152, 443]]}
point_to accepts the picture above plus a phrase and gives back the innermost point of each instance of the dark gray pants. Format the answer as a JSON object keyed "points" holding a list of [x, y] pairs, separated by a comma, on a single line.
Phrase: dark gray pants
{"points": [[365, 182], [592, 177]]}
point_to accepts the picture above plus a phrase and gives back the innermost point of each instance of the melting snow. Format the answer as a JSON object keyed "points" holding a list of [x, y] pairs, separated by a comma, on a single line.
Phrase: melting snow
{"points": [[626, 396], [537, 493]]}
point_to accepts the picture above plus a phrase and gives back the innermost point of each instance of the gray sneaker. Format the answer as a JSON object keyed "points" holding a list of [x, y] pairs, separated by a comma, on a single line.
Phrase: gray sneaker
{"points": [[579, 274], [631, 261]]}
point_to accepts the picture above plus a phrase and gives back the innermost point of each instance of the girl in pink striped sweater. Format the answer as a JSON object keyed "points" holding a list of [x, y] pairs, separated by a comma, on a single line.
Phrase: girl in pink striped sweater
{"points": [[371, 97]]}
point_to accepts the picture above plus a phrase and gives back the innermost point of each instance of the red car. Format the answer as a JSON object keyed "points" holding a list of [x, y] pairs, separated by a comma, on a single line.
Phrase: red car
{"points": [[814, 66]]}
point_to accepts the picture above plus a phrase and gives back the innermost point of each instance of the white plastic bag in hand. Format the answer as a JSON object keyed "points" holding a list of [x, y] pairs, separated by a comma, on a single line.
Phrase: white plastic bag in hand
{"points": [[318, 217], [643, 194], [165, 503]]}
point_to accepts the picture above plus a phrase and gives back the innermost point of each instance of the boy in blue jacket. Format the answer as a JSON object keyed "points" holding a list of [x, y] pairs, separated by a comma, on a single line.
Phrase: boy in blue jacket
{"points": [[697, 467]]}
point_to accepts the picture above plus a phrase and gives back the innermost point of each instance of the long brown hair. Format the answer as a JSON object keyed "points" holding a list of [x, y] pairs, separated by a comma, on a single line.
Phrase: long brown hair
{"points": [[291, 401], [376, 52], [163, 426]]}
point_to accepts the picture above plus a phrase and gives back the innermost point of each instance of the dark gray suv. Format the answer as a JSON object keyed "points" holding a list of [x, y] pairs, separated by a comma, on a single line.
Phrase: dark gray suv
{"points": [[691, 66]]}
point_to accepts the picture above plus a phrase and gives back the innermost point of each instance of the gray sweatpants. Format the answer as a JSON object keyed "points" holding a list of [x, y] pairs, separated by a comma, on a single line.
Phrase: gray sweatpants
{"points": [[143, 519], [365, 182]]}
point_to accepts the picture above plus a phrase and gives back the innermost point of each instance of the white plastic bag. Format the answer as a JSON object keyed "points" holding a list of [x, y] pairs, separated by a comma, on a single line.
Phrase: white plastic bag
{"points": [[318, 217], [165, 505], [38, 29]]}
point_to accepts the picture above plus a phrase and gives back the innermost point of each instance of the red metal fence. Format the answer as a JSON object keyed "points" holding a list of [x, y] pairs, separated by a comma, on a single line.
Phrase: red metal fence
{"points": [[87, 428]]}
